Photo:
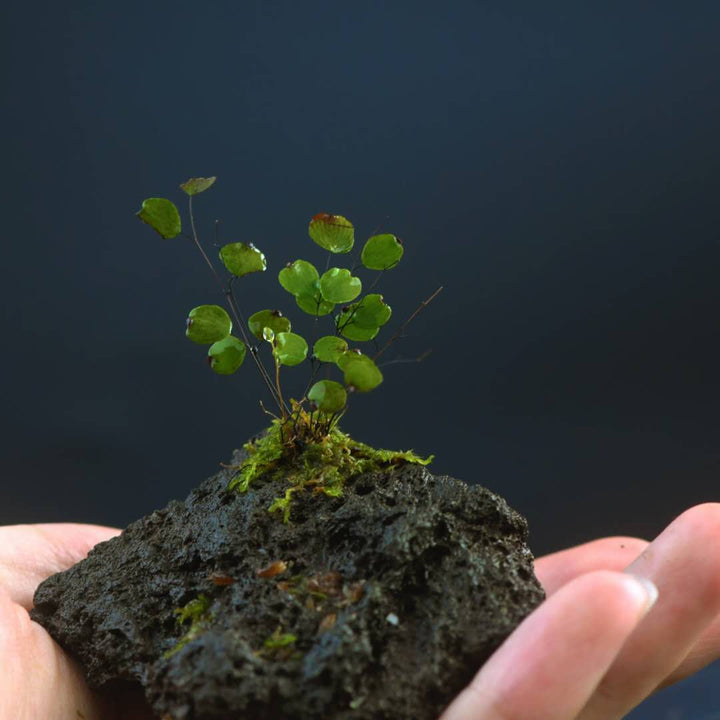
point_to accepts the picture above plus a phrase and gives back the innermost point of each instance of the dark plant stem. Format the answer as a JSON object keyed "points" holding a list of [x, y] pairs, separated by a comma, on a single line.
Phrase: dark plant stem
{"points": [[339, 329], [230, 299], [314, 369], [399, 332], [401, 361], [279, 390], [376, 281]]}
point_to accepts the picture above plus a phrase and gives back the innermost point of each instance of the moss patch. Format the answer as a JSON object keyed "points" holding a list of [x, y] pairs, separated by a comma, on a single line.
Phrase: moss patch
{"points": [[279, 646], [325, 465], [197, 612]]}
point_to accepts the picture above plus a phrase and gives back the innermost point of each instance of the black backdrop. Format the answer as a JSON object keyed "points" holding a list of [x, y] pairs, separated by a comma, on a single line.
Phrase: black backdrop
{"points": [[554, 167]]}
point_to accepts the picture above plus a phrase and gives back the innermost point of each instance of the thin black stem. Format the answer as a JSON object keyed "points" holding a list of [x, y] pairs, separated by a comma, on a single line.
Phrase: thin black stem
{"points": [[401, 360], [375, 281], [279, 390], [399, 332], [315, 368], [338, 328], [230, 299]]}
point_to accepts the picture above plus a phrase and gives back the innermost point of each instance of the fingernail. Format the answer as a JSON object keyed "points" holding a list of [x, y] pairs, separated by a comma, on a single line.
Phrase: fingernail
{"points": [[645, 590]]}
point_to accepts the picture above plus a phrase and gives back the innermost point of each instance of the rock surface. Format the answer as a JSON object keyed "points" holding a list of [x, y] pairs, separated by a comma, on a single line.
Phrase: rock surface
{"points": [[395, 594]]}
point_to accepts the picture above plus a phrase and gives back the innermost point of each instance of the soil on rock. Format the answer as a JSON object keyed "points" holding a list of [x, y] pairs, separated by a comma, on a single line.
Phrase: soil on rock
{"points": [[393, 595]]}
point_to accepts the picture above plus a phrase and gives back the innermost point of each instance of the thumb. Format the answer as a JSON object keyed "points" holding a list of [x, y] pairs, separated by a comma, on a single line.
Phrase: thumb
{"points": [[38, 679], [30, 553]]}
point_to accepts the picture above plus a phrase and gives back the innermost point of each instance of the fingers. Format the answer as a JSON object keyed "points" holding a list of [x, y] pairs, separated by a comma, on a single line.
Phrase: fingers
{"points": [[684, 563], [549, 667], [704, 651], [30, 553], [616, 553], [38, 680], [611, 553]]}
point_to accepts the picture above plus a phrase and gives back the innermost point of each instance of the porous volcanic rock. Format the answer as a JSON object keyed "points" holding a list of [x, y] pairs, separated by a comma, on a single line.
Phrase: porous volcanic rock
{"points": [[396, 593]]}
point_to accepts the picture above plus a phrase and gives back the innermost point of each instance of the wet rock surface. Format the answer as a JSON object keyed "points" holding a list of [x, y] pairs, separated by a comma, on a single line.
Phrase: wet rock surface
{"points": [[377, 605]]}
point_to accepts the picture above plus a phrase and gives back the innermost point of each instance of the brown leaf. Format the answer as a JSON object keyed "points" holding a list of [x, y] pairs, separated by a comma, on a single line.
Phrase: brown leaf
{"points": [[354, 592], [274, 568], [329, 583], [327, 623], [220, 578]]}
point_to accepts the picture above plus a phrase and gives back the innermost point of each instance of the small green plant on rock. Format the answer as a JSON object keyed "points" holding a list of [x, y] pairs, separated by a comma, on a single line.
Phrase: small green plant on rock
{"points": [[304, 440], [197, 613]]}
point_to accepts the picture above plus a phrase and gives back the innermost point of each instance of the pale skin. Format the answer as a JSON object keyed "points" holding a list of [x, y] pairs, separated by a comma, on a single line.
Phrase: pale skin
{"points": [[592, 651]]}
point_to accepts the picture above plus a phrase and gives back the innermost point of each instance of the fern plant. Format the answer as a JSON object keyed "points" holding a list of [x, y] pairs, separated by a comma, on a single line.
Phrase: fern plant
{"points": [[354, 314]]}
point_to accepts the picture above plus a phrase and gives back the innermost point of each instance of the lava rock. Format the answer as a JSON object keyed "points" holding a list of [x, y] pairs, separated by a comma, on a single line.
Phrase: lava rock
{"points": [[377, 605]]}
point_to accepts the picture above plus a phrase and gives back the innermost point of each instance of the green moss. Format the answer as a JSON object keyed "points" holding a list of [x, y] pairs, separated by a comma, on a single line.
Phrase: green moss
{"points": [[279, 646], [323, 465], [279, 639], [263, 456], [283, 503], [197, 612]]}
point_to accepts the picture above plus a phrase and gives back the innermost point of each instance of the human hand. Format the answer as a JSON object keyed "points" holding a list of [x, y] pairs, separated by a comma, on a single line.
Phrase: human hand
{"points": [[597, 647], [585, 654], [38, 680]]}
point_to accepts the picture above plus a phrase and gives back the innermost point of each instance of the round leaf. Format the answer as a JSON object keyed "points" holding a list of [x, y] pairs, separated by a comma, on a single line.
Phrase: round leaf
{"points": [[227, 355], [241, 259], [332, 232], [382, 252], [359, 334], [314, 304], [162, 216], [329, 396], [361, 373], [290, 349], [273, 319], [338, 285], [347, 357], [193, 186], [207, 324], [329, 348], [299, 278], [371, 311]]}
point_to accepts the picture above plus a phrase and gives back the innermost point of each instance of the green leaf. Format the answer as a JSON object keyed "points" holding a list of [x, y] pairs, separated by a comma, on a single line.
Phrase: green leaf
{"points": [[362, 320], [299, 278], [329, 396], [162, 216], [290, 349], [268, 335], [241, 259], [207, 324], [194, 186], [273, 319], [371, 311], [338, 285], [347, 357], [361, 373], [314, 304], [359, 334], [332, 232], [329, 348], [382, 252], [227, 355]]}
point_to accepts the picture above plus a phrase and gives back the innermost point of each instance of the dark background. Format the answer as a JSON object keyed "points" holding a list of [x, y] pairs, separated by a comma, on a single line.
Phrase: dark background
{"points": [[555, 167]]}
